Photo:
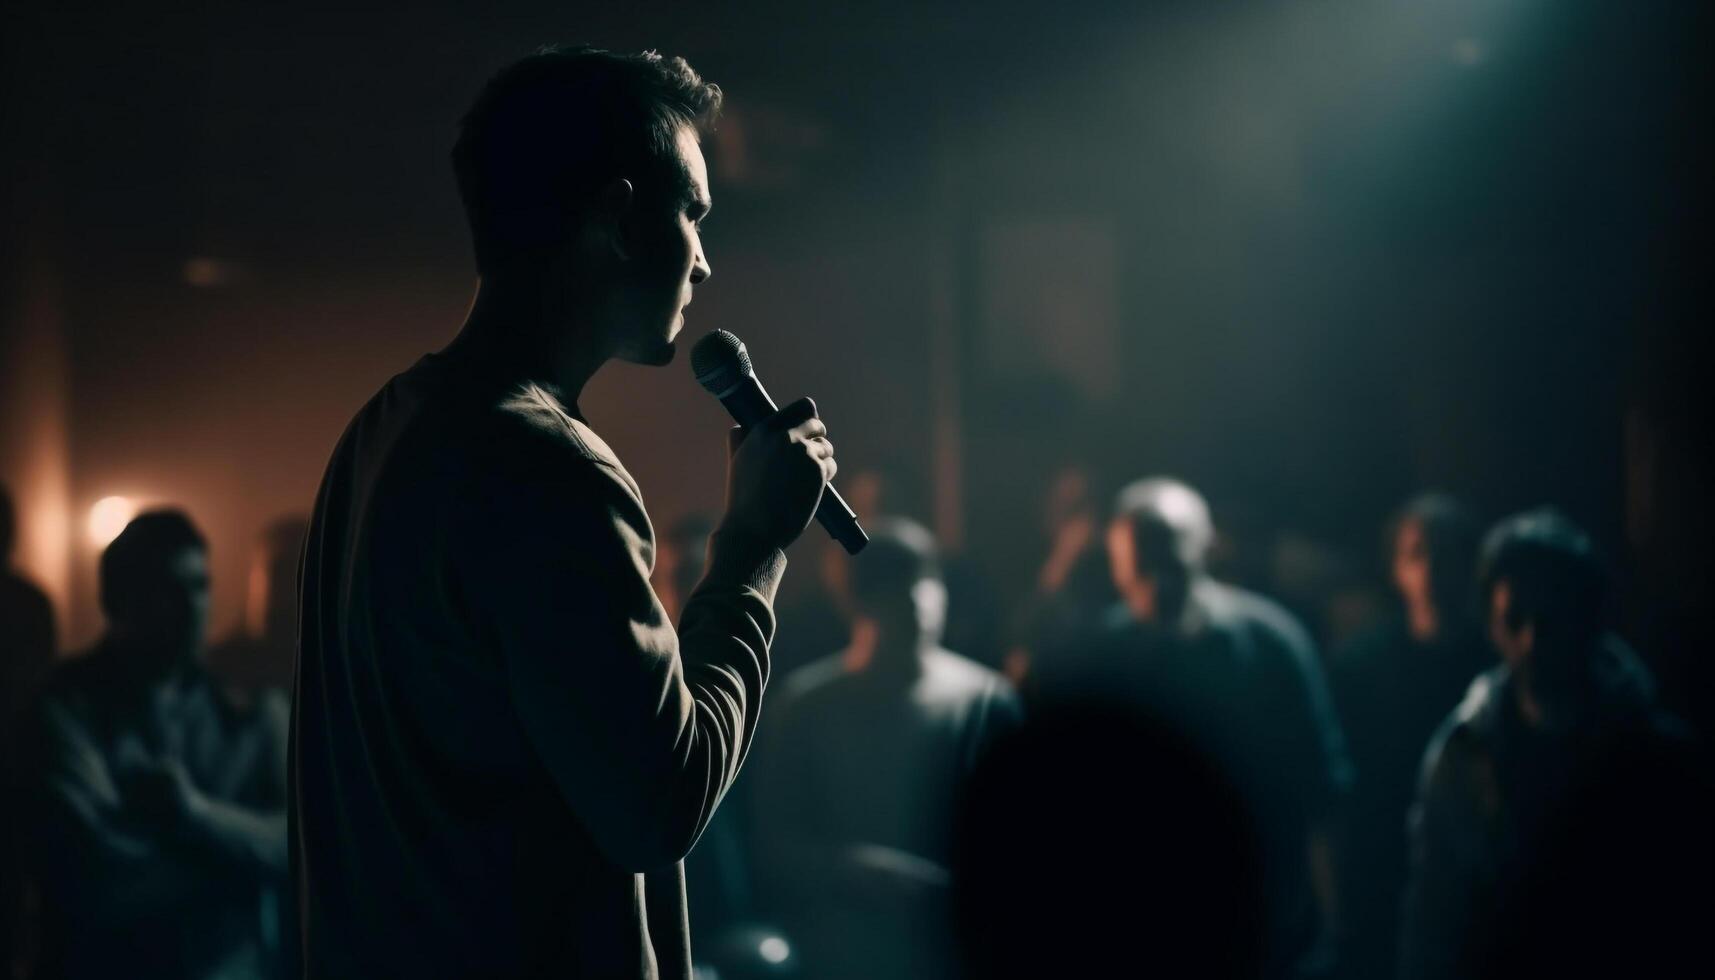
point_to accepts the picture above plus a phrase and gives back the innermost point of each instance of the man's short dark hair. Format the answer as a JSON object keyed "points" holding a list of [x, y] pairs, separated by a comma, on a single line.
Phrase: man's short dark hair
{"points": [[141, 553], [900, 553], [1555, 578], [553, 128]]}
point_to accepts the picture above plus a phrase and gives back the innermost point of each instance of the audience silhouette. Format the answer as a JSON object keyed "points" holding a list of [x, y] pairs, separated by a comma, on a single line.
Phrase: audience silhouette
{"points": [[155, 801], [1393, 684], [1563, 823], [857, 768], [1237, 677]]}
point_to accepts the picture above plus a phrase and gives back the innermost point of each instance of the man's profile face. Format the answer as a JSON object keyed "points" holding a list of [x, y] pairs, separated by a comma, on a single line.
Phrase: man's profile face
{"points": [[664, 261]]}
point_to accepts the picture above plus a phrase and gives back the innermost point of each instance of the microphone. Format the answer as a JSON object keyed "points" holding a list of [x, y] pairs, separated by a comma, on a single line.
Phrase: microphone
{"points": [[722, 366]]}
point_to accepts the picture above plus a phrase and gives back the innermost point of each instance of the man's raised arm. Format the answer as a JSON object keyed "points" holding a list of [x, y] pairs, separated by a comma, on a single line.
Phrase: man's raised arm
{"points": [[642, 729]]}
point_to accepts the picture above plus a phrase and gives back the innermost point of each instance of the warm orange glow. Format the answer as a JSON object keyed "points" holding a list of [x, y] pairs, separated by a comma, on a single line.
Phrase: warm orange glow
{"points": [[108, 517]]}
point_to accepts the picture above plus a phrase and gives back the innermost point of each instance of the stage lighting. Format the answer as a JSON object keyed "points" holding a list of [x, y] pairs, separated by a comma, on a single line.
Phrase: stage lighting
{"points": [[108, 517], [774, 949]]}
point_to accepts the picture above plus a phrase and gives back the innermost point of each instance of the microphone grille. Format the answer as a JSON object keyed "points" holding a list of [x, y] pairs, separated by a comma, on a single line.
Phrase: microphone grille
{"points": [[720, 361]]}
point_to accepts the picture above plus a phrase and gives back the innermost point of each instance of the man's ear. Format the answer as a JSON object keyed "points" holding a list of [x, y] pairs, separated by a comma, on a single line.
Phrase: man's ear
{"points": [[613, 210]]}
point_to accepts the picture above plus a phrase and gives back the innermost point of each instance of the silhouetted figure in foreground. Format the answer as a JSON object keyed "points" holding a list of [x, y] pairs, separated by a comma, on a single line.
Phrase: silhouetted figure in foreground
{"points": [[259, 657], [1563, 826], [26, 625], [157, 805], [1393, 686], [1239, 679], [502, 747], [857, 770], [26, 649], [1097, 842]]}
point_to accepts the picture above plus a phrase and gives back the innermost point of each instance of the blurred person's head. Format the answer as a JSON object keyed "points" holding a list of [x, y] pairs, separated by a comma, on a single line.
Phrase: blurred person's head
{"points": [[274, 579], [155, 589], [1543, 588], [1432, 557], [1158, 541], [896, 587], [8, 528], [584, 186]]}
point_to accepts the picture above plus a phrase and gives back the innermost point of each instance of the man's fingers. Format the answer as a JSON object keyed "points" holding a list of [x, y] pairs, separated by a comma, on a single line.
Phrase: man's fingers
{"points": [[794, 415], [807, 432], [820, 447]]}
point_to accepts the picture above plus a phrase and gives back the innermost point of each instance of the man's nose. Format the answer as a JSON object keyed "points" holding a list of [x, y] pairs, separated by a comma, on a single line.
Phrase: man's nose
{"points": [[700, 271]]}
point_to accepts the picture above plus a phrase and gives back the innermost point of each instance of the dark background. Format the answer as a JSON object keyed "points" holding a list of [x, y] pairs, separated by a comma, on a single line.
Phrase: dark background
{"points": [[1312, 256]]}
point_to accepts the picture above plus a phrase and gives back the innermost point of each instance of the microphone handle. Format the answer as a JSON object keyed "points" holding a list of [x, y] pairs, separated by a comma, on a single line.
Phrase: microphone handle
{"points": [[748, 403]]}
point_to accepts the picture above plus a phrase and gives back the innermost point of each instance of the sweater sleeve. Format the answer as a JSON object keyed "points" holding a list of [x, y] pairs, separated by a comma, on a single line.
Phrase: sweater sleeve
{"points": [[642, 729]]}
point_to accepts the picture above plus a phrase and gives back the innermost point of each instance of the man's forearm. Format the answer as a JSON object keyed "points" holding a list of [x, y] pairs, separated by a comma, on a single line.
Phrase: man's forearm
{"points": [[740, 560], [237, 836]]}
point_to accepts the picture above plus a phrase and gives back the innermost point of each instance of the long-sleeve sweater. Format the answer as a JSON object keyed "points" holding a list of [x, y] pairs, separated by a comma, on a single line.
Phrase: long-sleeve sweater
{"points": [[501, 746]]}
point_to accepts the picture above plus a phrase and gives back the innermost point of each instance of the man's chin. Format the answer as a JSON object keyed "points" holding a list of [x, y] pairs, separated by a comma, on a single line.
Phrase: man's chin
{"points": [[656, 354]]}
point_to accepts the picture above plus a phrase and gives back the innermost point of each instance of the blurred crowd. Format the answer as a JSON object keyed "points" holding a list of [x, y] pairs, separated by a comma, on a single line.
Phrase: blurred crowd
{"points": [[1159, 757]]}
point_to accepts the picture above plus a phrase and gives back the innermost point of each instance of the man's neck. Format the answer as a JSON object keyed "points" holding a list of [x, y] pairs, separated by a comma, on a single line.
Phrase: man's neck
{"points": [[512, 331]]}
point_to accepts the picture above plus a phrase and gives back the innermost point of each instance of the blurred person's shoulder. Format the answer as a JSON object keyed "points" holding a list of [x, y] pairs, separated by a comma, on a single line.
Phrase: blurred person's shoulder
{"points": [[71, 679], [1274, 630], [1631, 705], [812, 680], [72, 693], [953, 675], [20, 597], [801, 700], [264, 710], [1463, 744]]}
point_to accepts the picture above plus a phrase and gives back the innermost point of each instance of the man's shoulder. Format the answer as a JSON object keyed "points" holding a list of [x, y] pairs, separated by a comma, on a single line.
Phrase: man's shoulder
{"points": [[433, 416], [531, 413], [525, 432]]}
